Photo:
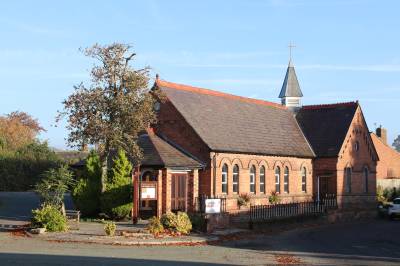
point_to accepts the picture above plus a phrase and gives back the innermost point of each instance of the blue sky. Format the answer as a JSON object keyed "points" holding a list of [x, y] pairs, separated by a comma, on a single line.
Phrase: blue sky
{"points": [[346, 50]]}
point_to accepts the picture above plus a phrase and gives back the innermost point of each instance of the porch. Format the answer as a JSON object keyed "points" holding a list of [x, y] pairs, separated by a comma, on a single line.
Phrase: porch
{"points": [[166, 180]]}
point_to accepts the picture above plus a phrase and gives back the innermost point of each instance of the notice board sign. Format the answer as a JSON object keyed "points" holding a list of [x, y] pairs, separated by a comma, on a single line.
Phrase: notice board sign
{"points": [[149, 190], [213, 205]]}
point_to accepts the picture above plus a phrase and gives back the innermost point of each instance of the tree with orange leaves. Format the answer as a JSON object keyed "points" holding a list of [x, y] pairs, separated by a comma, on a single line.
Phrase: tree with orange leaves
{"points": [[18, 129]]}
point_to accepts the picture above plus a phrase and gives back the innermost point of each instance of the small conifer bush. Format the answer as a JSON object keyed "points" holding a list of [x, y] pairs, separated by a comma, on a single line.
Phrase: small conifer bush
{"points": [[109, 228]]}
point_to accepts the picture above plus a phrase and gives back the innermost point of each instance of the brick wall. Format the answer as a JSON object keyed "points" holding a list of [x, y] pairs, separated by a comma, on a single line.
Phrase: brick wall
{"points": [[325, 169], [389, 159], [173, 125], [357, 158], [166, 190], [245, 161]]}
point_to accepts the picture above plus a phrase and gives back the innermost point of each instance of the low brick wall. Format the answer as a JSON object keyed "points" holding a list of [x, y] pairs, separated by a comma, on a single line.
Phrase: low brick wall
{"points": [[356, 202], [344, 216], [217, 221]]}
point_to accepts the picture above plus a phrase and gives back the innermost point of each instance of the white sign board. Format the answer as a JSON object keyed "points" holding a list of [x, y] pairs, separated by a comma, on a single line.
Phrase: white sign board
{"points": [[148, 193], [213, 205]]}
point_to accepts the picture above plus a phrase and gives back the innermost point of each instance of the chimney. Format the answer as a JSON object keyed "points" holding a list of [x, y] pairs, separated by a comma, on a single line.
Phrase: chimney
{"points": [[382, 134]]}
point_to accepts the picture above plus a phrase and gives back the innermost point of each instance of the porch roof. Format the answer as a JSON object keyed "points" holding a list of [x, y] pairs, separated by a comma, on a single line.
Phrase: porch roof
{"points": [[159, 152]]}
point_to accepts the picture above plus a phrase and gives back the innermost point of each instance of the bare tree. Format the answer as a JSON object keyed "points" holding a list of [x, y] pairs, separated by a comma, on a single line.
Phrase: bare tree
{"points": [[115, 108]]}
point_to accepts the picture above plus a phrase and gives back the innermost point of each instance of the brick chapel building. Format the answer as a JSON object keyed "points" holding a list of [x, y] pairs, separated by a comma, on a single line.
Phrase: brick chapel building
{"points": [[221, 145]]}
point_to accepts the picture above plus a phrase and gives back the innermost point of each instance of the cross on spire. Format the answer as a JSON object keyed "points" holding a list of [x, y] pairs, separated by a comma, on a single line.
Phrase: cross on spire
{"points": [[290, 51]]}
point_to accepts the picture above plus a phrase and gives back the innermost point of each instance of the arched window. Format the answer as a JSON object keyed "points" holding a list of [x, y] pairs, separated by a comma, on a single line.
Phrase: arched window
{"points": [[262, 179], [224, 179], [366, 179], [286, 180], [278, 179], [304, 179], [252, 179], [357, 146], [235, 179], [347, 179]]}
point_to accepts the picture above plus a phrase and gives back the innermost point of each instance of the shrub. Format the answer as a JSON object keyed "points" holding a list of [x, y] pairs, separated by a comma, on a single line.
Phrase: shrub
{"points": [[155, 226], [379, 195], [168, 220], [54, 184], [86, 198], [177, 222], [183, 224], [49, 217], [198, 221], [109, 228], [243, 199], [21, 170], [391, 193], [116, 201], [87, 191], [274, 198]]}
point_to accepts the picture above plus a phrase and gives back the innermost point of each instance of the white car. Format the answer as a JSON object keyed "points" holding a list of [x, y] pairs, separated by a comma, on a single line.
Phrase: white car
{"points": [[394, 208]]}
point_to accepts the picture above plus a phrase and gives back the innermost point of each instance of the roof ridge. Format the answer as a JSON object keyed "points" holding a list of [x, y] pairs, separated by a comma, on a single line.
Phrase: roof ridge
{"points": [[184, 87], [329, 105]]}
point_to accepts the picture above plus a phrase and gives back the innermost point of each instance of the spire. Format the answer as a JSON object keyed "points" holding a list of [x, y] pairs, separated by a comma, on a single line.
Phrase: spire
{"points": [[290, 86], [290, 92]]}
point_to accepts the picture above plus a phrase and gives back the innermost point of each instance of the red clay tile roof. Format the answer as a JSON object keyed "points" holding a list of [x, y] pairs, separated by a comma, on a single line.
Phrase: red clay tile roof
{"points": [[229, 123], [325, 126]]}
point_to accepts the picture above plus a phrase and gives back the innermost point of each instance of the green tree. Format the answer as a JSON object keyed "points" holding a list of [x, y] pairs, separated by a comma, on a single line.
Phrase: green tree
{"points": [[396, 143], [86, 193], [114, 108], [116, 199], [122, 168], [53, 186]]}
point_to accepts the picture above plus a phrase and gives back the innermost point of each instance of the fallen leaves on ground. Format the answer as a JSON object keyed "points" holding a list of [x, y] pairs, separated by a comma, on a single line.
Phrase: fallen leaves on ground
{"points": [[287, 259], [19, 233]]}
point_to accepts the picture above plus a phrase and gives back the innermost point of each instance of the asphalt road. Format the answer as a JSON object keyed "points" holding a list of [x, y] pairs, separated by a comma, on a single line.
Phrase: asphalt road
{"points": [[368, 243], [19, 205]]}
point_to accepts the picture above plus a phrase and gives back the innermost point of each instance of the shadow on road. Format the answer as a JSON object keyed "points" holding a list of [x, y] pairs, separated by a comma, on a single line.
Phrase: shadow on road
{"points": [[373, 240], [41, 259]]}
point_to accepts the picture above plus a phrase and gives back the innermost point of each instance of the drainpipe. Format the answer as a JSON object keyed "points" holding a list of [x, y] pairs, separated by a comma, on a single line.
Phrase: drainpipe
{"points": [[214, 162], [318, 188]]}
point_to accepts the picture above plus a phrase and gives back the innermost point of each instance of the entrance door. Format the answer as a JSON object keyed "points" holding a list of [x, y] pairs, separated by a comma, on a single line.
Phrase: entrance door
{"points": [[324, 186], [178, 192]]}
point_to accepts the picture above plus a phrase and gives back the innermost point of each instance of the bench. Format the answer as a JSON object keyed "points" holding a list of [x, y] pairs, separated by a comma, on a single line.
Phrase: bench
{"points": [[73, 215]]}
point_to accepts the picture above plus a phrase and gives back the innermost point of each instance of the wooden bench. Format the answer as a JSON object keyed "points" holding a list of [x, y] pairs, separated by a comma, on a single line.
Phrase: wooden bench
{"points": [[73, 215]]}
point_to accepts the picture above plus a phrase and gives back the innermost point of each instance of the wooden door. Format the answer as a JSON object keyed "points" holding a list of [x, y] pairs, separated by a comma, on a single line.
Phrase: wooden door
{"points": [[178, 192]]}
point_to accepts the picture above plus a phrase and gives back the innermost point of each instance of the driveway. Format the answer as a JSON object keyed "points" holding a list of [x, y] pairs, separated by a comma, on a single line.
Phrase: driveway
{"points": [[17, 206], [368, 243]]}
